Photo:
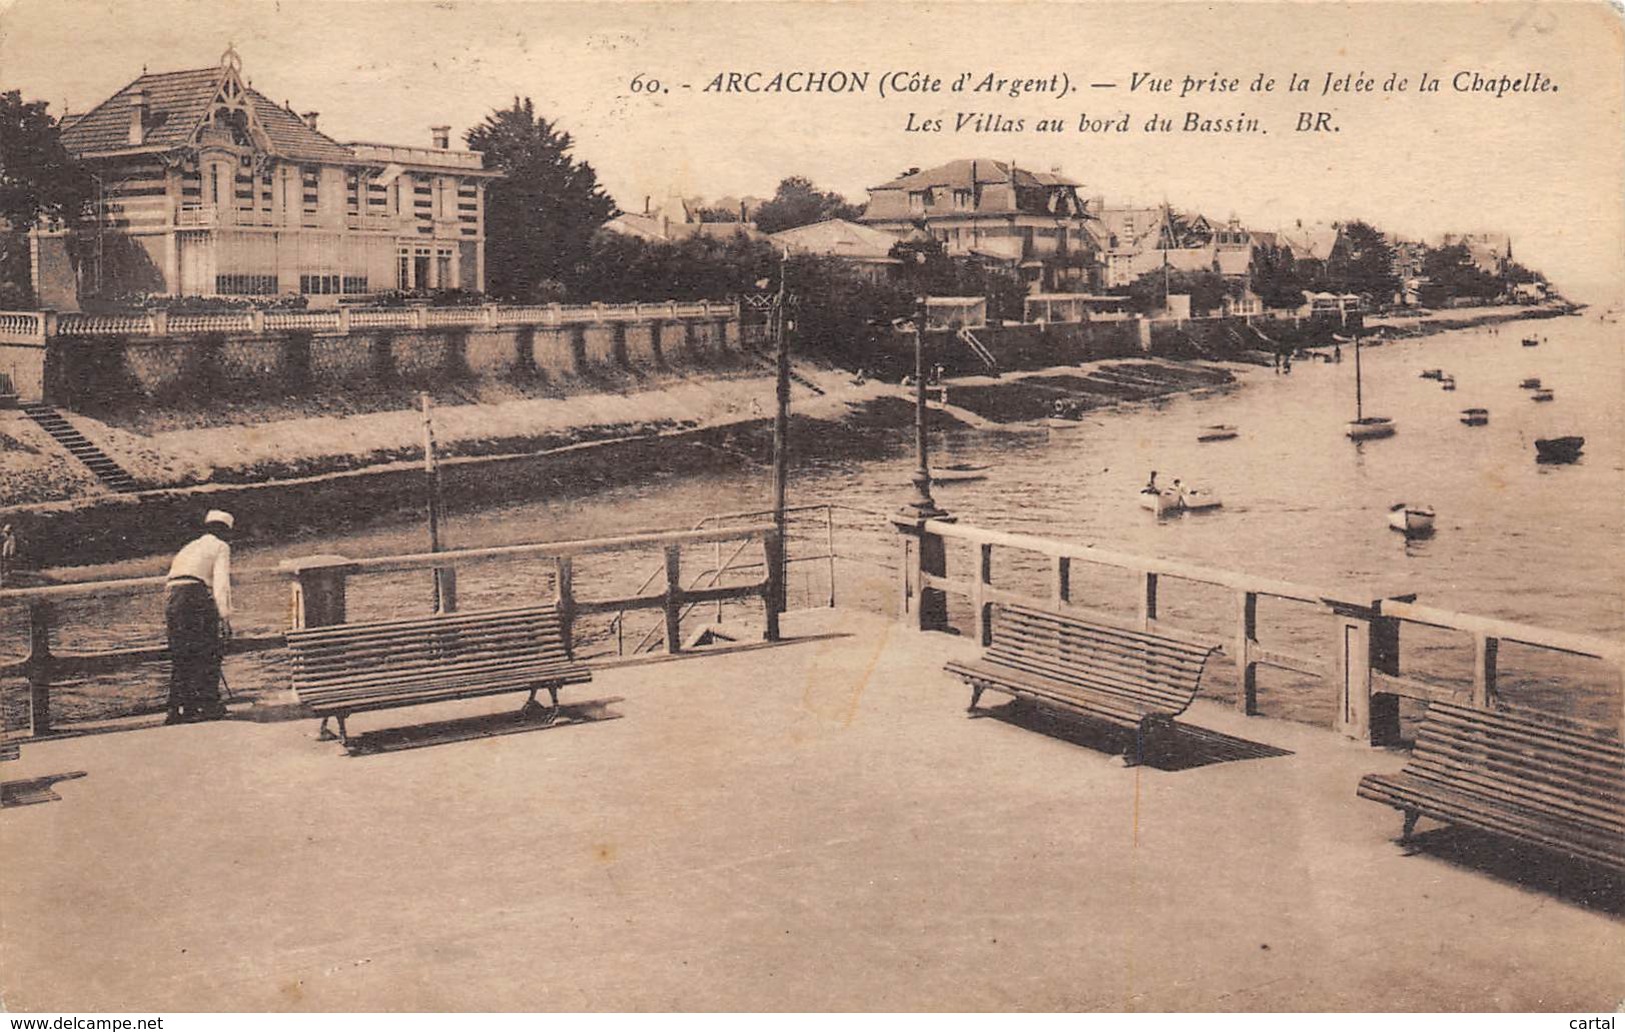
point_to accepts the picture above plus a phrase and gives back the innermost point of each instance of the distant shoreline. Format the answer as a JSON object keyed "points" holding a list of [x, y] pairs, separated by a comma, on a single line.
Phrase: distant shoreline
{"points": [[849, 419]]}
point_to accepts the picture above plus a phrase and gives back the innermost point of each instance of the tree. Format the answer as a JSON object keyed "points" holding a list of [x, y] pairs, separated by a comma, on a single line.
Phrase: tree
{"points": [[797, 202], [40, 182], [1206, 289], [1362, 263], [1451, 273], [1275, 277], [541, 216]]}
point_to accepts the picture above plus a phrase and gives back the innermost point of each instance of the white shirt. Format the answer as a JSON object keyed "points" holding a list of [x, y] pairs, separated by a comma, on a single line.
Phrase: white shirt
{"points": [[209, 560]]}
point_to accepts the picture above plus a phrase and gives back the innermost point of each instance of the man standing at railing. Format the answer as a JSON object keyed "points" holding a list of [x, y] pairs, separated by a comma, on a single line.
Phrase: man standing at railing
{"points": [[197, 615]]}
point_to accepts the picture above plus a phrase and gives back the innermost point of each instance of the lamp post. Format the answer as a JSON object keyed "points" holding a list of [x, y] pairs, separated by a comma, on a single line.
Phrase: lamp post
{"points": [[926, 608]]}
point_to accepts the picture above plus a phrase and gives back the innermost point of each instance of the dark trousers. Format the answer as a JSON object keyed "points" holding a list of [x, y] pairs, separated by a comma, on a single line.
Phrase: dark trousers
{"points": [[194, 647]]}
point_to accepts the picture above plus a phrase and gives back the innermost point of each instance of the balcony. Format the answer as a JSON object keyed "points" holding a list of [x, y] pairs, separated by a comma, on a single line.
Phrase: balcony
{"points": [[197, 216]]}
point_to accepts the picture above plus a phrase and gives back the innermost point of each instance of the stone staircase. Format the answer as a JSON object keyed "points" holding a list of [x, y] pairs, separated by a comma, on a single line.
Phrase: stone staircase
{"points": [[94, 459]]}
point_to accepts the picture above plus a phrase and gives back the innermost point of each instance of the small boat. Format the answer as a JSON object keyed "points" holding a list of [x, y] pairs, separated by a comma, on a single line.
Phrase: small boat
{"points": [[1544, 394], [1475, 416], [1558, 449], [1363, 427], [1531, 342], [1529, 382], [1217, 432], [1196, 499], [1162, 501], [958, 473], [1448, 383], [1433, 374], [1411, 520], [1369, 427]]}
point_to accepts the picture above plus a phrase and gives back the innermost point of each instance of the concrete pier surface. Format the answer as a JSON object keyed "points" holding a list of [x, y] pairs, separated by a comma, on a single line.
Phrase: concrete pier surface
{"points": [[815, 825]]}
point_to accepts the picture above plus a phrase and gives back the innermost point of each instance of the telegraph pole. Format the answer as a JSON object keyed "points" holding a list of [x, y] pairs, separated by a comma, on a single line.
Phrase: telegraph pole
{"points": [[445, 579], [781, 432]]}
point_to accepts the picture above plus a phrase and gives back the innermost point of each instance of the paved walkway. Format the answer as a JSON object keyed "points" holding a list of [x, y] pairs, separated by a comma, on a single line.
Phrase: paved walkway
{"points": [[810, 826]]}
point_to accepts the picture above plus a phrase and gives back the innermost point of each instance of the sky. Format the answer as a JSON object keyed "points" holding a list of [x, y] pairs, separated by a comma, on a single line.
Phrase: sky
{"points": [[1546, 167]]}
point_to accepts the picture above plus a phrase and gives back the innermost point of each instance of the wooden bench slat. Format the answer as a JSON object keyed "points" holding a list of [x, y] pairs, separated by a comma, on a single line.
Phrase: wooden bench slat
{"points": [[1562, 772], [1524, 716], [375, 638], [1100, 679], [449, 692], [305, 670], [1112, 709], [350, 668], [494, 668], [1555, 782], [1160, 637], [1536, 738], [1521, 793], [454, 688], [1130, 675], [1113, 642], [364, 627], [1460, 808], [1122, 676]]}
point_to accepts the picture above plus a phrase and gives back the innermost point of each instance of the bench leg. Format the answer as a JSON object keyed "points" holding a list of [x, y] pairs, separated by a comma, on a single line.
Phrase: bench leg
{"points": [[323, 734], [976, 691], [531, 705], [344, 732], [1410, 826]]}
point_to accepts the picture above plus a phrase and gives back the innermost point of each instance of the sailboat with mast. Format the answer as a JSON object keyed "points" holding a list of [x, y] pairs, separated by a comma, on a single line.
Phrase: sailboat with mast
{"points": [[1364, 427]]}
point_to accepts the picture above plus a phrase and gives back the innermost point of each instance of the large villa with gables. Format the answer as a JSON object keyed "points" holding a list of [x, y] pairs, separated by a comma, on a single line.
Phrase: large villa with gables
{"points": [[207, 187]]}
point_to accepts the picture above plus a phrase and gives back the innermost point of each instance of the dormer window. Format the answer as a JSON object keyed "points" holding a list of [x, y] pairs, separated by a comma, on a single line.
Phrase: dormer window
{"points": [[962, 199]]}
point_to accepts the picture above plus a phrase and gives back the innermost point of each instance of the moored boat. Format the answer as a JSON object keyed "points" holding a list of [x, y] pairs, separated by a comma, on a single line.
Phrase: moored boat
{"points": [[1217, 432], [1543, 394], [958, 473], [1197, 498], [1448, 383], [1433, 374], [1558, 449], [1529, 382], [1368, 427], [1475, 416], [1161, 501], [1411, 520], [1531, 342]]}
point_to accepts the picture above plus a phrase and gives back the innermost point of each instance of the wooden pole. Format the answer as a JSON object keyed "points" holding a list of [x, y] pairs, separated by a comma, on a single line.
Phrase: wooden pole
{"points": [[781, 431], [445, 582]]}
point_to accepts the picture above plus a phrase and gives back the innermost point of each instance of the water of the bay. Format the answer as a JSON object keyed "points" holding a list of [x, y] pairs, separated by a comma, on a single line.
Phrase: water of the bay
{"points": [[1515, 539]]}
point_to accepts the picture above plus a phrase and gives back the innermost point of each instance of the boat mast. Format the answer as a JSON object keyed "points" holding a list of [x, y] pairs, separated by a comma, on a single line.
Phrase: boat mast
{"points": [[1358, 413]]}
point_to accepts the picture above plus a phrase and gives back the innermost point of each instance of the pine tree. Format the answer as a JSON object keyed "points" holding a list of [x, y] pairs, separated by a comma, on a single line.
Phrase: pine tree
{"points": [[541, 216]]}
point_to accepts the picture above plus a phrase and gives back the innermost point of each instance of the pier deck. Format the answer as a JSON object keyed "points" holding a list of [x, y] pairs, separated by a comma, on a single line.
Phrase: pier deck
{"points": [[813, 825]]}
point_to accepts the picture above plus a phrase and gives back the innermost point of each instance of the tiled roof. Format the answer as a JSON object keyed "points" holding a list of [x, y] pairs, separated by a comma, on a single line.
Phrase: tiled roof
{"points": [[839, 238], [986, 170], [177, 102]]}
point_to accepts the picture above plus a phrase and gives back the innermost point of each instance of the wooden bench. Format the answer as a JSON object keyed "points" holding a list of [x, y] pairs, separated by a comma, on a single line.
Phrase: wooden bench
{"points": [[1544, 779], [355, 667], [1134, 680]]}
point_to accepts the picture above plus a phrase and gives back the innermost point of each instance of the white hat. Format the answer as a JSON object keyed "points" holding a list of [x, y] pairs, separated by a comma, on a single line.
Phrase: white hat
{"points": [[219, 516]]}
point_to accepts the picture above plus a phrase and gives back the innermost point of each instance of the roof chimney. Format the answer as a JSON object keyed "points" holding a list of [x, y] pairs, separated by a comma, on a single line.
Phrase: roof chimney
{"points": [[442, 136], [310, 118], [138, 116]]}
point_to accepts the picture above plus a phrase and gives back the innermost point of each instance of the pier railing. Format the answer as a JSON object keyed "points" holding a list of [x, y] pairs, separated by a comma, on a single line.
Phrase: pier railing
{"points": [[1364, 673], [321, 593]]}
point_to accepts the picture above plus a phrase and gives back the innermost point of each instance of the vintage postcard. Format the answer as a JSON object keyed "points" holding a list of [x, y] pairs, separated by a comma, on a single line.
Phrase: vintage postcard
{"points": [[811, 507]]}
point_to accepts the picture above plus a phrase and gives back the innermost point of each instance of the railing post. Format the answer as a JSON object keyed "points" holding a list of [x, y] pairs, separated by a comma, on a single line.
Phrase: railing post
{"points": [[829, 541], [1384, 707], [1246, 638], [1148, 599], [1485, 652], [674, 599], [1063, 580], [38, 666], [924, 554], [318, 591], [979, 586], [773, 560], [716, 575], [564, 581]]}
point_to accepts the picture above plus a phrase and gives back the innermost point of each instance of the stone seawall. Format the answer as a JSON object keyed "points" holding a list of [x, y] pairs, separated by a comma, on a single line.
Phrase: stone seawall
{"points": [[109, 372]]}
